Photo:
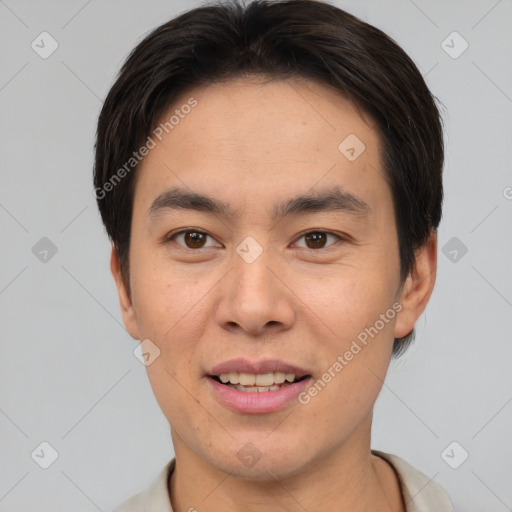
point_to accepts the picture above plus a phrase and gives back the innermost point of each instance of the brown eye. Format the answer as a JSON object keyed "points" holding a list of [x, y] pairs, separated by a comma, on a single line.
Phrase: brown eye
{"points": [[194, 239], [191, 239], [318, 239]]}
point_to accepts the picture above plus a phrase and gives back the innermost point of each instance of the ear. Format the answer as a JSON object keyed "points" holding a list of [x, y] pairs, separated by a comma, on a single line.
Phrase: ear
{"points": [[127, 311], [418, 287]]}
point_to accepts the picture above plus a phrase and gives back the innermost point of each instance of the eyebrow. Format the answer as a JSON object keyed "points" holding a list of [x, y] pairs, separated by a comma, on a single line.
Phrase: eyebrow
{"points": [[328, 200]]}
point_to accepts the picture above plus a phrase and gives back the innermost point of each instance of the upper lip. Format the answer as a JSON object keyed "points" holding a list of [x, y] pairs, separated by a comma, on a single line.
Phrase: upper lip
{"points": [[241, 365]]}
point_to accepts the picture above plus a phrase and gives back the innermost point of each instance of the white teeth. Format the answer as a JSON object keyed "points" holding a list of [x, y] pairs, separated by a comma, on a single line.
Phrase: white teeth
{"points": [[261, 380], [264, 379], [247, 379], [254, 389], [279, 377]]}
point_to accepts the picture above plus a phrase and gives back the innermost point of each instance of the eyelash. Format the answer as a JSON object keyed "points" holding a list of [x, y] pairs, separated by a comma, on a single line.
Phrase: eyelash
{"points": [[171, 237]]}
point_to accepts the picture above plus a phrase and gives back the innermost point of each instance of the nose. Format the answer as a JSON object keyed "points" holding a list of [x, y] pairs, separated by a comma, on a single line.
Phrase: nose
{"points": [[256, 300]]}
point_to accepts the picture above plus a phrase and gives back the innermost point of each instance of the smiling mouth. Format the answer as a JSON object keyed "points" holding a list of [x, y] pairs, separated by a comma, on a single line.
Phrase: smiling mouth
{"points": [[261, 382]]}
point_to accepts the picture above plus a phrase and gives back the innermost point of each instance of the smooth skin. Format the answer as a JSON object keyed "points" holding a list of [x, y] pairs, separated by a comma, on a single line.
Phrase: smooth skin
{"points": [[252, 143]]}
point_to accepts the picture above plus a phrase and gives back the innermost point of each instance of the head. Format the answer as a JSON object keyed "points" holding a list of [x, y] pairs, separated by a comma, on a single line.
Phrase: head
{"points": [[270, 178]]}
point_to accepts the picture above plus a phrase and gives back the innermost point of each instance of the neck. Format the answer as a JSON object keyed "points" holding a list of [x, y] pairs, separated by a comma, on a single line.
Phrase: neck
{"points": [[347, 478]]}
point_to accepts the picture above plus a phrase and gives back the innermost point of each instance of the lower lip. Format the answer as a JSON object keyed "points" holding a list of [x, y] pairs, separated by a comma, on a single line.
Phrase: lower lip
{"points": [[258, 401]]}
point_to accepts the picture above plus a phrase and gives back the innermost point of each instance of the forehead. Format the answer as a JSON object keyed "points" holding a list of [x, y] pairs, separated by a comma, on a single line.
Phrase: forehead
{"points": [[263, 136]]}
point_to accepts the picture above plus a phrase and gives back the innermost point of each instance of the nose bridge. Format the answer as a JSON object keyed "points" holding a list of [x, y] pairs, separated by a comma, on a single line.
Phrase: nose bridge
{"points": [[252, 275]]}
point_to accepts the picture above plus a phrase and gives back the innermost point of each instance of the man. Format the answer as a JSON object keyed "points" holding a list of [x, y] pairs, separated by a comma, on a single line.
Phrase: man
{"points": [[270, 177]]}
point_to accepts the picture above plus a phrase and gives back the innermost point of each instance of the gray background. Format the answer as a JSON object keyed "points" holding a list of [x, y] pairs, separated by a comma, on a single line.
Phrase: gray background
{"points": [[67, 369]]}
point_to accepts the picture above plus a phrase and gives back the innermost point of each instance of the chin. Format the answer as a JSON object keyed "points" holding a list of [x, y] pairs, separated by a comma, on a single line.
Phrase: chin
{"points": [[266, 465]]}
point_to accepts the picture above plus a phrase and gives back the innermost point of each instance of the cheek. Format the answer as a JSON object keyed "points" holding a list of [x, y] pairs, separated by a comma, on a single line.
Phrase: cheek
{"points": [[165, 298], [354, 299], [355, 366], [360, 310], [169, 312]]}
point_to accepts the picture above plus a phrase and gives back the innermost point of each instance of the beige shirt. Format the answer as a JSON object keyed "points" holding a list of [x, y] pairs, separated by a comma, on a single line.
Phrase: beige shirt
{"points": [[421, 494]]}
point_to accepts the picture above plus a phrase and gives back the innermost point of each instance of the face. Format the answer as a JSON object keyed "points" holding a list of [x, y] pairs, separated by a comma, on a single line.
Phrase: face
{"points": [[291, 267]]}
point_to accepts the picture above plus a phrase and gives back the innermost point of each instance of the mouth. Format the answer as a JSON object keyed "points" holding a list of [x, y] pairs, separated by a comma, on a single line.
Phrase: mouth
{"points": [[258, 383], [262, 387]]}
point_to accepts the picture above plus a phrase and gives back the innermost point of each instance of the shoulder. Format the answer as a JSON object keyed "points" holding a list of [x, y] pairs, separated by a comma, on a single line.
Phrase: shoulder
{"points": [[156, 497], [421, 493]]}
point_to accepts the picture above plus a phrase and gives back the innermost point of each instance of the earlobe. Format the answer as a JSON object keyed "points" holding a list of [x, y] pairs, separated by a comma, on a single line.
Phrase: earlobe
{"points": [[418, 287], [127, 311]]}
